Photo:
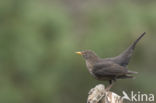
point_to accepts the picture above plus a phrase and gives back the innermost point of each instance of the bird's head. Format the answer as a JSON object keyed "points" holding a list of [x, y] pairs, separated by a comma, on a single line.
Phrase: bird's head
{"points": [[88, 55]]}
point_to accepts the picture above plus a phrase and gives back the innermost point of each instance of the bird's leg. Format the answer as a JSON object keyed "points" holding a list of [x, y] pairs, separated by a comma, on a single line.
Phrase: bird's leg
{"points": [[110, 86], [110, 81]]}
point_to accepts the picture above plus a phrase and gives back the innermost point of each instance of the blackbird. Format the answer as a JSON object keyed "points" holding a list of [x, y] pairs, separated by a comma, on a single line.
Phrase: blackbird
{"points": [[110, 69]]}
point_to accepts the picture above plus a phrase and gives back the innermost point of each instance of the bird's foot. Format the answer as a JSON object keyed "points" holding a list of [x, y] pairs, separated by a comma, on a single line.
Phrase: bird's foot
{"points": [[109, 87]]}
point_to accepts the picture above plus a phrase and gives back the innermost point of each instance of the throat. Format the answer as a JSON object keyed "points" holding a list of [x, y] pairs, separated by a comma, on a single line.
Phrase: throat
{"points": [[90, 63], [90, 66]]}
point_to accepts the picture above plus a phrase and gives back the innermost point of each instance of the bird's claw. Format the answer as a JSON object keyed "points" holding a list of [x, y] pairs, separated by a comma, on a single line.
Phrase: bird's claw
{"points": [[109, 87]]}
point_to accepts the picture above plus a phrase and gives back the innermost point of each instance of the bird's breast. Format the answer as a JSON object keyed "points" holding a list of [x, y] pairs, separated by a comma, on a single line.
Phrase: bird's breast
{"points": [[89, 67]]}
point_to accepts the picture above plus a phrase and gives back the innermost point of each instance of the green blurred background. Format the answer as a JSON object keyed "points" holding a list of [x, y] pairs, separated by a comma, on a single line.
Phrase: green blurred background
{"points": [[38, 39]]}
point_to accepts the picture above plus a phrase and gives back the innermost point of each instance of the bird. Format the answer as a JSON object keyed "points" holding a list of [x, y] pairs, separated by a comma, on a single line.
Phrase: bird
{"points": [[110, 69]]}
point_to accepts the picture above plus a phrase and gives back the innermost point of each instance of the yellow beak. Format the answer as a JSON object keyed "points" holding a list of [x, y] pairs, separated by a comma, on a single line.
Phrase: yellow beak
{"points": [[79, 53]]}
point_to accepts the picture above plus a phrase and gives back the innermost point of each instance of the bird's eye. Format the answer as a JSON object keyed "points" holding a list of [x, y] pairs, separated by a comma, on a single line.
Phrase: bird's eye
{"points": [[84, 54]]}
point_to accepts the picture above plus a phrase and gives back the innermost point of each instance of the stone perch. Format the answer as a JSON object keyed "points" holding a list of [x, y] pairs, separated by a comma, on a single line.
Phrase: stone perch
{"points": [[99, 94]]}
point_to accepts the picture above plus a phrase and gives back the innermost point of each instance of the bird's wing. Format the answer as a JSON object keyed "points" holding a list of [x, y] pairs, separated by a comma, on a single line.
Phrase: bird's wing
{"points": [[109, 68], [124, 57]]}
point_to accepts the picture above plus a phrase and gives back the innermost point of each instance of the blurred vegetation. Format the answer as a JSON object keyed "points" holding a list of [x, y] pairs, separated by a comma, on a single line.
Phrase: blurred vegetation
{"points": [[38, 40]]}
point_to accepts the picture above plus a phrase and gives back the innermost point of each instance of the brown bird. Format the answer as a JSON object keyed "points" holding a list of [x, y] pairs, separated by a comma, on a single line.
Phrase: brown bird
{"points": [[110, 69]]}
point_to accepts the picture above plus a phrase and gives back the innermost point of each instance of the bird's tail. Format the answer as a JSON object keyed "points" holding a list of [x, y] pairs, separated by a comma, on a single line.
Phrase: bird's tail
{"points": [[135, 42], [124, 57]]}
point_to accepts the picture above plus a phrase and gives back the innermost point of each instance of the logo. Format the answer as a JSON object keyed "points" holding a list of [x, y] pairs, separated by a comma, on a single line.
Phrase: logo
{"points": [[138, 97]]}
